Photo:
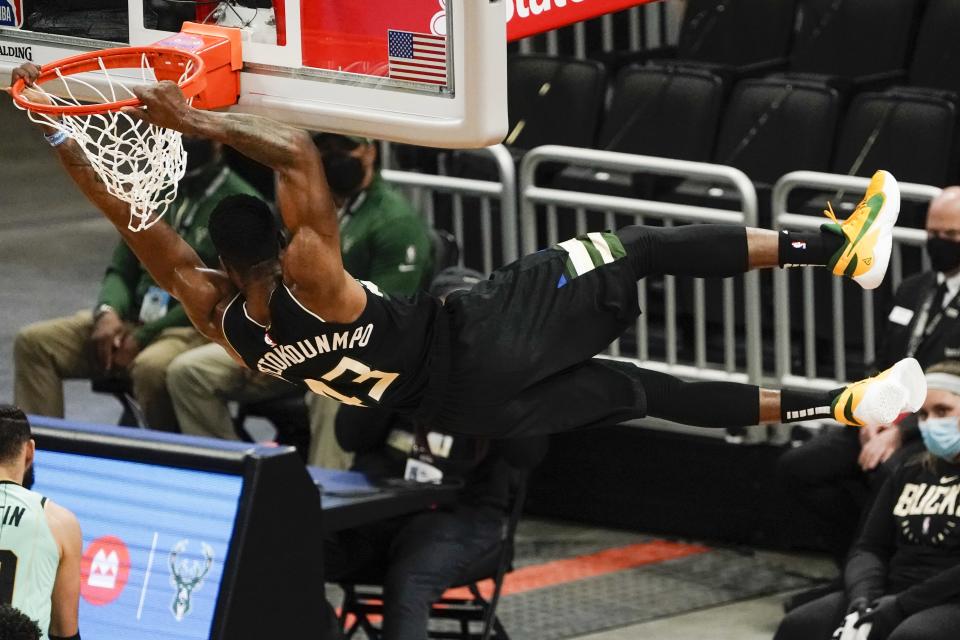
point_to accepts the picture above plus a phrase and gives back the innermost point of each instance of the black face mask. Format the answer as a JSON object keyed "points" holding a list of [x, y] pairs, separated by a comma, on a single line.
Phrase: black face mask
{"points": [[344, 173], [28, 478], [944, 254], [200, 153]]}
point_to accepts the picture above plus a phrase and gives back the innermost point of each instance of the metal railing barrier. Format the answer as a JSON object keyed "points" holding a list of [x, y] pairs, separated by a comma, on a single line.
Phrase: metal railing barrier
{"points": [[471, 208], [592, 212]]}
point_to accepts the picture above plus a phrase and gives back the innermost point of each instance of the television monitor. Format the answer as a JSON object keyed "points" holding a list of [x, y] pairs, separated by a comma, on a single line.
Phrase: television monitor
{"points": [[185, 537]]}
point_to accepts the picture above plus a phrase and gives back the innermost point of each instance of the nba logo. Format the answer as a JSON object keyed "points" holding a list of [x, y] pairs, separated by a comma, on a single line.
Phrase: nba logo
{"points": [[11, 13]]}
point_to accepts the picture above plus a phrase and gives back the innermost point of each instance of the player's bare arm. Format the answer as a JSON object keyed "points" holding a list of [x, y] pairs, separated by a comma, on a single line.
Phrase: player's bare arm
{"points": [[170, 260], [66, 588], [312, 265]]}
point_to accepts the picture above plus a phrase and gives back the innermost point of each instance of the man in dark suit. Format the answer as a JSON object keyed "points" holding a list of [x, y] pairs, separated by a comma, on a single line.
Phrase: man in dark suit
{"points": [[836, 473]]}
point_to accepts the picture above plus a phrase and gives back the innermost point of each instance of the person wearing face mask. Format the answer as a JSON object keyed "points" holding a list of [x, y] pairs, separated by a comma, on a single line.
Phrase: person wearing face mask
{"points": [[903, 575], [383, 241], [835, 474], [135, 329]]}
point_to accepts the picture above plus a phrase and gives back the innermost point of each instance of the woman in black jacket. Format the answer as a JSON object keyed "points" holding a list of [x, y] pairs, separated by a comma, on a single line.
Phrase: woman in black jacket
{"points": [[903, 575]]}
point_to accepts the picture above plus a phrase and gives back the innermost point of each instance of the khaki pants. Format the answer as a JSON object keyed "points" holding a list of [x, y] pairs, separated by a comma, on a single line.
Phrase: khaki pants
{"points": [[325, 451], [203, 381], [47, 353]]}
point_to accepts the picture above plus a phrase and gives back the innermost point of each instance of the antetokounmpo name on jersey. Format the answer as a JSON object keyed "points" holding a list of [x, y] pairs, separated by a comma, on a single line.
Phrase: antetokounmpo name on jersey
{"points": [[284, 356]]}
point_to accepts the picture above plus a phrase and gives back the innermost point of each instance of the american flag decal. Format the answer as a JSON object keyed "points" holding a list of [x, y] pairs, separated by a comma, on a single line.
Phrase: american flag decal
{"points": [[418, 57]]}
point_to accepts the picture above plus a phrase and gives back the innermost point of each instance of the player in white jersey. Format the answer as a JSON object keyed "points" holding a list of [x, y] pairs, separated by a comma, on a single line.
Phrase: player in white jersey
{"points": [[40, 543]]}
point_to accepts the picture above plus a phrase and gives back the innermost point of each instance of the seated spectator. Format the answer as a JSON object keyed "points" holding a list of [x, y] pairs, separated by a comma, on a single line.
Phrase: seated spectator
{"points": [[16, 625], [903, 575], [383, 240], [836, 474], [40, 550], [418, 557], [136, 329]]}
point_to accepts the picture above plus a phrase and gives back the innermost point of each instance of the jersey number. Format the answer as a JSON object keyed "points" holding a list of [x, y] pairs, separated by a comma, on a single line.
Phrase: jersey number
{"points": [[8, 574], [364, 373]]}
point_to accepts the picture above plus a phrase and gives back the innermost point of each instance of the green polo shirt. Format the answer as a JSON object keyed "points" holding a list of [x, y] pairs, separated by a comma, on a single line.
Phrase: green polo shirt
{"points": [[383, 240]]}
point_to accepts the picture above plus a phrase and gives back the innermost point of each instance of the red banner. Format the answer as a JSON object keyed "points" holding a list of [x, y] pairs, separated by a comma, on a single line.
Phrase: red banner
{"points": [[530, 17], [352, 36]]}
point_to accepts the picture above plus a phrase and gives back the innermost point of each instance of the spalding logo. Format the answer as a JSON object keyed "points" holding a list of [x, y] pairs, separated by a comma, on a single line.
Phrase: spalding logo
{"points": [[11, 13]]}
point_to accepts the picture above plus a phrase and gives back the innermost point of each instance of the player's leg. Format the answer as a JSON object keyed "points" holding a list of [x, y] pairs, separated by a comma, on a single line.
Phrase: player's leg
{"points": [[604, 392], [858, 248], [44, 354]]}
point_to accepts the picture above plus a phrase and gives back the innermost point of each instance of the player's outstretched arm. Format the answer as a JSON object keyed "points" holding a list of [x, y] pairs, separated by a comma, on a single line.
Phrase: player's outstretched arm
{"points": [[173, 263], [65, 601], [312, 263]]}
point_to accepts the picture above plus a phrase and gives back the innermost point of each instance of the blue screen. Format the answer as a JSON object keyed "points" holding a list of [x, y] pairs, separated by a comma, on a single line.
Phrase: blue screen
{"points": [[154, 539]]}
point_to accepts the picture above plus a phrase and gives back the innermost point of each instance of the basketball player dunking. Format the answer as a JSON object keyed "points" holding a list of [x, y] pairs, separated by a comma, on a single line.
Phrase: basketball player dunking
{"points": [[40, 543], [513, 356]]}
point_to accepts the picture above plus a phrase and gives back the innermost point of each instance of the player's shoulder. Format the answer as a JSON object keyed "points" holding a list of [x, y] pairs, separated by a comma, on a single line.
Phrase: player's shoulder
{"points": [[63, 522]]}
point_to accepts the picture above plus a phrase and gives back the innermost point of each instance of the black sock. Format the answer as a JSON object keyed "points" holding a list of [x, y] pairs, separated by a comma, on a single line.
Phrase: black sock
{"points": [[701, 404], [809, 248], [796, 406]]}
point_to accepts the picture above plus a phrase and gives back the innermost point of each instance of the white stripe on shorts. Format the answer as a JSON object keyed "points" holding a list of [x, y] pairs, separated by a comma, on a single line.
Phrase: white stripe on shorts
{"points": [[578, 256]]}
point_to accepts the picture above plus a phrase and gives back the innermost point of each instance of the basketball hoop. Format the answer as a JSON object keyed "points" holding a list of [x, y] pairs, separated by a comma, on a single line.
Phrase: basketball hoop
{"points": [[138, 162]]}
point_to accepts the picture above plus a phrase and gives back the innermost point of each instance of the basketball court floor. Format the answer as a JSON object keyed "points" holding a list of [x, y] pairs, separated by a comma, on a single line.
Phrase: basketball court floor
{"points": [[572, 581]]}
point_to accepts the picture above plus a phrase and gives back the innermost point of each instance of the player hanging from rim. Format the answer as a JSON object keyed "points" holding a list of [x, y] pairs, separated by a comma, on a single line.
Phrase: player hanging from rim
{"points": [[513, 356]]}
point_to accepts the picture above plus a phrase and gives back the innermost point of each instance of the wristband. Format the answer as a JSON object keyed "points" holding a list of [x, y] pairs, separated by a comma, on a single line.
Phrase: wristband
{"points": [[58, 138]]}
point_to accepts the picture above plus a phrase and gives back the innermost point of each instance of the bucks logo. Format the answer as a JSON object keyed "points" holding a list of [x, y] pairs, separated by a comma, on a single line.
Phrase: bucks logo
{"points": [[187, 574]]}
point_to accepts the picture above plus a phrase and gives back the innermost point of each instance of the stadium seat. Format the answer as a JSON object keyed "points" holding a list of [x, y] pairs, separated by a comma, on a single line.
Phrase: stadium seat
{"points": [[888, 129], [734, 39], [863, 42], [937, 49], [659, 111], [737, 34], [553, 100], [770, 127]]}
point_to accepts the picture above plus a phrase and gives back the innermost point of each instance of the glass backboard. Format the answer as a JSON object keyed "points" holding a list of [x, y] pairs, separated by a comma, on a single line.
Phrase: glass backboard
{"points": [[429, 72]]}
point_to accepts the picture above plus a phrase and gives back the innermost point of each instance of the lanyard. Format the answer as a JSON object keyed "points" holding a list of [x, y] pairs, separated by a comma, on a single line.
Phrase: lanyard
{"points": [[922, 329]]}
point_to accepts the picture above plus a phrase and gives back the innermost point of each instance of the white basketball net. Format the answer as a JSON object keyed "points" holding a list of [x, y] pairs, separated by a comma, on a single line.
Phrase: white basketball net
{"points": [[139, 163]]}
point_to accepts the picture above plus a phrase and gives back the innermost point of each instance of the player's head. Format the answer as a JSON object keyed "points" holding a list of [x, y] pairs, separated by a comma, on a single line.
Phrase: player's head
{"points": [[16, 625], [16, 446], [245, 234], [940, 414], [943, 231], [349, 163]]}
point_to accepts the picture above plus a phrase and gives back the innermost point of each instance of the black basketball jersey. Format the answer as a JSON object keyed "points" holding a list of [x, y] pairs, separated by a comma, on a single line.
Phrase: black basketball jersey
{"points": [[382, 358]]}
